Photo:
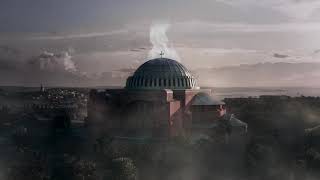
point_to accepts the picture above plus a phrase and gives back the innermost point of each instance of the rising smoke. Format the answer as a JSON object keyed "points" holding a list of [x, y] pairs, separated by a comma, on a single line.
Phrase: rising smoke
{"points": [[159, 40], [48, 60]]}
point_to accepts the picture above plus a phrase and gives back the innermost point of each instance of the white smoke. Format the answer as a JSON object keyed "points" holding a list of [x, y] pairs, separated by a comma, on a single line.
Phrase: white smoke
{"points": [[67, 61], [52, 61], [160, 41]]}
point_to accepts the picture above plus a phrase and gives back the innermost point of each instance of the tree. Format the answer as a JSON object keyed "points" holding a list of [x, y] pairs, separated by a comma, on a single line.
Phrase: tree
{"points": [[34, 170], [102, 143], [123, 169], [84, 169]]}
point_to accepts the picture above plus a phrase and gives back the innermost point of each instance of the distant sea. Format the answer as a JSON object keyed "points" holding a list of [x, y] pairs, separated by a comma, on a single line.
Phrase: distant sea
{"points": [[236, 92]]}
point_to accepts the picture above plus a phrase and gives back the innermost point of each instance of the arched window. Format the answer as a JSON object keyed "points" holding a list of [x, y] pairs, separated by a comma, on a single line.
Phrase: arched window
{"points": [[178, 82], [174, 82], [133, 81], [136, 81], [164, 82], [169, 82], [188, 82], [182, 82], [146, 82], [141, 81], [155, 82], [160, 82], [150, 82]]}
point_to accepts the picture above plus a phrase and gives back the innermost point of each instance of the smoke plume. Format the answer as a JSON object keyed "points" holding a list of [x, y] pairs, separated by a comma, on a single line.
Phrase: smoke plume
{"points": [[51, 61], [159, 40]]}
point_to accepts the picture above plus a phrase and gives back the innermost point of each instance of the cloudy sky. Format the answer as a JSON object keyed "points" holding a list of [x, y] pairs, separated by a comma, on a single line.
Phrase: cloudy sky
{"points": [[98, 36]]}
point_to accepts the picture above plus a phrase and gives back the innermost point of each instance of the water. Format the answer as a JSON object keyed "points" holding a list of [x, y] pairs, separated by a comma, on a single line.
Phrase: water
{"points": [[236, 92]]}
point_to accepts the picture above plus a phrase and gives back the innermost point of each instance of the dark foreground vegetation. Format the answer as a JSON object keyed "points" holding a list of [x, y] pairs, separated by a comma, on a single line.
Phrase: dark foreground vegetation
{"points": [[282, 143]]}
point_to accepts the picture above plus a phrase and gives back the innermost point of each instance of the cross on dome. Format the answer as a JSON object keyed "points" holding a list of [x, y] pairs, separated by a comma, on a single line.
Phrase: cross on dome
{"points": [[161, 54]]}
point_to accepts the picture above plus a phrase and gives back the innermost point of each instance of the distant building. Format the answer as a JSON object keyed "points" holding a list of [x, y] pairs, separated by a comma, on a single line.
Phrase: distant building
{"points": [[42, 89], [161, 99]]}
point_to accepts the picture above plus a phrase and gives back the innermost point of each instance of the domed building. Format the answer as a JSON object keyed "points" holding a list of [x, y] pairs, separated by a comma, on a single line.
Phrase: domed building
{"points": [[161, 73], [161, 98]]}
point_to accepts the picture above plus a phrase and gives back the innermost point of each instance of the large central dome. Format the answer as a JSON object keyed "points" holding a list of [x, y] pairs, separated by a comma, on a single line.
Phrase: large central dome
{"points": [[161, 73]]}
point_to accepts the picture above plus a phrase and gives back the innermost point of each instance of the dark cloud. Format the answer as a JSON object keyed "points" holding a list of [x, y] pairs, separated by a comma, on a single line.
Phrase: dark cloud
{"points": [[316, 51], [42, 16], [109, 35], [277, 55]]}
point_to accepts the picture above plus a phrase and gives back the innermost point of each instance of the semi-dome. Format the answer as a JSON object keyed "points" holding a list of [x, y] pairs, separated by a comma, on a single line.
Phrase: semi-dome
{"points": [[161, 73]]}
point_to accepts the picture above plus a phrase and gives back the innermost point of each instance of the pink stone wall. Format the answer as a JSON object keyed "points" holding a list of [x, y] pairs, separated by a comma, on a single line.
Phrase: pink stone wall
{"points": [[165, 110], [175, 118]]}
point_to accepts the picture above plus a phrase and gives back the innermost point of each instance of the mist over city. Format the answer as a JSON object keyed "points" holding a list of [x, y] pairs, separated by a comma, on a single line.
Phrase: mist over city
{"points": [[150, 90]]}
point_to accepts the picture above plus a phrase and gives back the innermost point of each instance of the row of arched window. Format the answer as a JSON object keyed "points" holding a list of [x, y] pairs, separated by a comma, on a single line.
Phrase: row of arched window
{"points": [[160, 82]]}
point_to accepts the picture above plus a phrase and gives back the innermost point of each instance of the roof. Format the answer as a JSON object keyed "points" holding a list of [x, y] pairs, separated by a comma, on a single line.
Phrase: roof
{"points": [[204, 99], [161, 73], [162, 67], [237, 122]]}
